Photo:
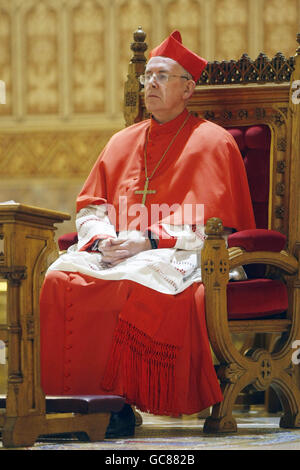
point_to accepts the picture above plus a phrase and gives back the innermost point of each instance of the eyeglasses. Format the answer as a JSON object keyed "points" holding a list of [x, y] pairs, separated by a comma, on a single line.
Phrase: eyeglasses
{"points": [[160, 77]]}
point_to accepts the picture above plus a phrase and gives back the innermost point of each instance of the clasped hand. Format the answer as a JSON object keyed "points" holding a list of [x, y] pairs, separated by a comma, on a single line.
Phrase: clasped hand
{"points": [[115, 250]]}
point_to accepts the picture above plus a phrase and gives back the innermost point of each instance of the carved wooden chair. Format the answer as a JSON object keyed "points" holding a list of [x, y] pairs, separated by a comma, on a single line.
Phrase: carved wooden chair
{"points": [[255, 101]]}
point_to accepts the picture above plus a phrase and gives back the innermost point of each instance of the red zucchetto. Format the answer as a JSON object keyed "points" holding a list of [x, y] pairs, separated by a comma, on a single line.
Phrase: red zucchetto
{"points": [[173, 48]]}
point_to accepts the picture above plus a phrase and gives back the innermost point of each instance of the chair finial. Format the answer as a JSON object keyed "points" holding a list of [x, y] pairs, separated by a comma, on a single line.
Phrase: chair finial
{"points": [[214, 227], [139, 46], [139, 35]]}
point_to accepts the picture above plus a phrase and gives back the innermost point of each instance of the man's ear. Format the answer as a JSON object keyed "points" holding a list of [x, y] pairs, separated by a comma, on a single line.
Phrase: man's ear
{"points": [[190, 86]]}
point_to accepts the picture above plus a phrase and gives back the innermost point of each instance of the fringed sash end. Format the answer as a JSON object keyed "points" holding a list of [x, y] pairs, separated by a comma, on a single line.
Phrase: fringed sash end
{"points": [[145, 368]]}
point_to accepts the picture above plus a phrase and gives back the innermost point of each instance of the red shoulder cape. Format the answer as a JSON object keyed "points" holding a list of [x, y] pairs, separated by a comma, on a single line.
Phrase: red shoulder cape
{"points": [[203, 166]]}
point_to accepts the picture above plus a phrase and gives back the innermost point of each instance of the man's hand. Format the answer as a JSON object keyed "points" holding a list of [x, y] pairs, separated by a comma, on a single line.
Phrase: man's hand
{"points": [[114, 251]]}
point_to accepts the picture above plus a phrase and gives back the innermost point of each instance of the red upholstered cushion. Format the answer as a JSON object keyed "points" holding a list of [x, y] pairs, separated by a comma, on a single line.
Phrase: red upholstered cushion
{"points": [[239, 136], [256, 298], [254, 143], [258, 240], [257, 167], [261, 214], [258, 137], [84, 404], [67, 240]]}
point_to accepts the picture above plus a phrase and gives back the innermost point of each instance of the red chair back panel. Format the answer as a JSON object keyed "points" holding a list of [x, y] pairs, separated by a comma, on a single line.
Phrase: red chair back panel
{"points": [[254, 143]]}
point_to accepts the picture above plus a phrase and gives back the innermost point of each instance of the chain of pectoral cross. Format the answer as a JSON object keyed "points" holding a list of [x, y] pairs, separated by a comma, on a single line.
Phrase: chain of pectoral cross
{"points": [[147, 191]]}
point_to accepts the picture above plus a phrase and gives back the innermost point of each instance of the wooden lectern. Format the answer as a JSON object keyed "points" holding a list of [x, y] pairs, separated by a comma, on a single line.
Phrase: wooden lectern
{"points": [[27, 235]]}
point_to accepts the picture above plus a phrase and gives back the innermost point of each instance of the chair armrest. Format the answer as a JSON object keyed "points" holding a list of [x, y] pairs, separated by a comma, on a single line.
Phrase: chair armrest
{"points": [[216, 262], [258, 240], [283, 260]]}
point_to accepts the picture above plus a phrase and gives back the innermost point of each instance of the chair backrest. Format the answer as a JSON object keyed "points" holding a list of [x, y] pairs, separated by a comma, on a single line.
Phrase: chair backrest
{"points": [[254, 143], [258, 102]]}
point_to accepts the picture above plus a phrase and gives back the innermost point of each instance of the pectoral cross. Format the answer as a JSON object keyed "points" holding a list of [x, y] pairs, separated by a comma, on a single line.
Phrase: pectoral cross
{"points": [[145, 191]]}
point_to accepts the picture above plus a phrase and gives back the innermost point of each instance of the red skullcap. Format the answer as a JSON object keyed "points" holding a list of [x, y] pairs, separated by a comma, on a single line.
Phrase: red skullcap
{"points": [[173, 48]]}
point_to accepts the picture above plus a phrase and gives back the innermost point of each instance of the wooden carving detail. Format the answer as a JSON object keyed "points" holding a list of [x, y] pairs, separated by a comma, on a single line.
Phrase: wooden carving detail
{"points": [[278, 119], [230, 373], [245, 70], [282, 144], [139, 46], [281, 166], [279, 212], [135, 69], [265, 366], [280, 189], [223, 266], [209, 266], [30, 326], [14, 274], [214, 226]]}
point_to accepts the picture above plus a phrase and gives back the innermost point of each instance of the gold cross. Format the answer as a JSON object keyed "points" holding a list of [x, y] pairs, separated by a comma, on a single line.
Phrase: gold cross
{"points": [[145, 191]]}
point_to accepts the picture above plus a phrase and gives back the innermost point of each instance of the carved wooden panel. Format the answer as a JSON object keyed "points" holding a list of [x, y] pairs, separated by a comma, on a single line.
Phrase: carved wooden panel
{"points": [[6, 58], [88, 57], [41, 58], [245, 70]]}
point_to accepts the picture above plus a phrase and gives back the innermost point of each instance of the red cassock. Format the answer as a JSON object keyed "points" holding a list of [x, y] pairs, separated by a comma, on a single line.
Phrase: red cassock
{"points": [[121, 337]]}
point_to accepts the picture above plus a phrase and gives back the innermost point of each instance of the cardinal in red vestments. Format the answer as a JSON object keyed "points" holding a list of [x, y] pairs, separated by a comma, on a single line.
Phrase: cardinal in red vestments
{"points": [[122, 312]]}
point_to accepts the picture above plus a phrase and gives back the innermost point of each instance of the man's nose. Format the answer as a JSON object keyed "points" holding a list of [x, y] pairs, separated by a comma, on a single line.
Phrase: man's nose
{"points": [[153, 81], [154, 84]]}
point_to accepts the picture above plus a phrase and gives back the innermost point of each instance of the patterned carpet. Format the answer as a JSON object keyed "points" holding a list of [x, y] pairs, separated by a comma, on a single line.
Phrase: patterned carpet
{"points": [[256, 431]]}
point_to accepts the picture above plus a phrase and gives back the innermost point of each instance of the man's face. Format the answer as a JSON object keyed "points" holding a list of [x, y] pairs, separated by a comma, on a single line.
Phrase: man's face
{"points": [[166, 100]]}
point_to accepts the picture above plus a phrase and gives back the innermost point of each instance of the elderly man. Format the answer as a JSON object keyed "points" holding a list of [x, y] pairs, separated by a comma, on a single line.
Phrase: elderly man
{"points": [[122, 312]]}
